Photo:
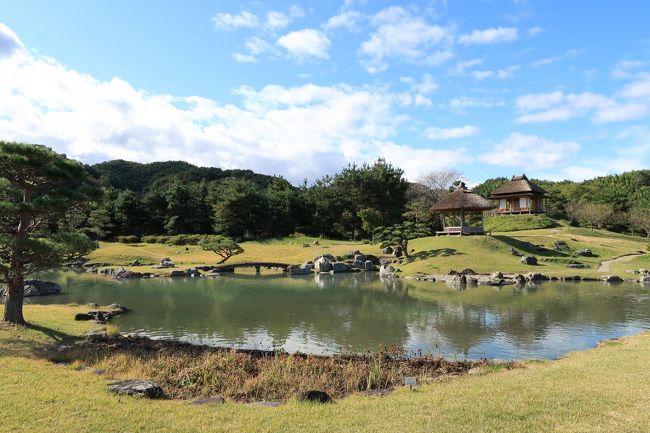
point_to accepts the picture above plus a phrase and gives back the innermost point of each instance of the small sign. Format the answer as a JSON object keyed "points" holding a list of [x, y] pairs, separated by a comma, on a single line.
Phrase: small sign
{"points": [[410, 381]]}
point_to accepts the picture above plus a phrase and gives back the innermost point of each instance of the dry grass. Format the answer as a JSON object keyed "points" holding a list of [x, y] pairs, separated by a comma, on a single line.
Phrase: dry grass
{"points": [[186, 371]]}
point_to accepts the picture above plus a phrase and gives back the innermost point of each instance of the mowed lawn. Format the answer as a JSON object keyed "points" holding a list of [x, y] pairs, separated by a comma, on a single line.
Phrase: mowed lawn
{"points": [[483, 254], [606, 389]]}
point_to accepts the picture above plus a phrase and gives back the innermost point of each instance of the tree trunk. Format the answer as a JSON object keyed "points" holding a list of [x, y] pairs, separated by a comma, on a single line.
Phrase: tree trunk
{"points": [[14, 301]]}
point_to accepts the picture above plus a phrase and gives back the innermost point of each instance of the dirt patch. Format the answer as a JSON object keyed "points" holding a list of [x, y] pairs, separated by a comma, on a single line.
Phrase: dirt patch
{"points": [[604, 265]]}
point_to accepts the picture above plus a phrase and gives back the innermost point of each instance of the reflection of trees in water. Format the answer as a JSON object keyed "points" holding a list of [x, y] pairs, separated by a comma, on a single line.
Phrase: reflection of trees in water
{"points": [[359, 310]]}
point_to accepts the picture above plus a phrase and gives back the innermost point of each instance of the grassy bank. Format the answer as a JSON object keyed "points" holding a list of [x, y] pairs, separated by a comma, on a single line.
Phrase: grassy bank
{"points": [[601, 390], [483, 254]]}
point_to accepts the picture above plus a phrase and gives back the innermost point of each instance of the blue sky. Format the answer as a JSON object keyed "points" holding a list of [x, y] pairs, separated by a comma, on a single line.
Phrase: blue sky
{"points": [[490, 88]]}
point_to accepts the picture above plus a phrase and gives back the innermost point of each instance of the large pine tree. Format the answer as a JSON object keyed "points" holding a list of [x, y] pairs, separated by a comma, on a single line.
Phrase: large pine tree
{"points": [[37, 187]]}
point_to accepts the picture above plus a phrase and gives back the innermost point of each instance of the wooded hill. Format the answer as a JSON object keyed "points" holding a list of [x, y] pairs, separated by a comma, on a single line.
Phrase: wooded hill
{"points": [[175, 197]]}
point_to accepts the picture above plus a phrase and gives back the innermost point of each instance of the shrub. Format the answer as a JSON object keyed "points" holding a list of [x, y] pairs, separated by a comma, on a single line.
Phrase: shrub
{"points": [[151, 239], [130, 239], [511, 223], [184, 240]]}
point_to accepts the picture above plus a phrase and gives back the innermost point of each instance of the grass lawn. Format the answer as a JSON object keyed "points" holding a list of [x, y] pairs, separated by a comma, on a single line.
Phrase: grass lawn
{"points": [[606, 389], [483, 254]]}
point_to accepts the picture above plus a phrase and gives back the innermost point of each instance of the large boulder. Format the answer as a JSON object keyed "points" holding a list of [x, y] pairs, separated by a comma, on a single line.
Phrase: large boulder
{"points": [[314, 396], [322, 264], [519, 280], [528, 260], [338, 267], [536, 276], [584, 253], [137, 388], [496, 276], [386, 269], [360, 257], [368, 265], [387, 250], [298, 270], [36, 288], [398, 251], [125, 274], [612, 279], [560, 245], [358, 264]]}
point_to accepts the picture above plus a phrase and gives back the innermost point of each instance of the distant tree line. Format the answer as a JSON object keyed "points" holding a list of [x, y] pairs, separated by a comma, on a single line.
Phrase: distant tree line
{"points": [[175, 198]]}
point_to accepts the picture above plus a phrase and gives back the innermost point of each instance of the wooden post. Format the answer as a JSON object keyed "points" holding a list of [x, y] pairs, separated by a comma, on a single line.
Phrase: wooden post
{"points": [[462, 221]]}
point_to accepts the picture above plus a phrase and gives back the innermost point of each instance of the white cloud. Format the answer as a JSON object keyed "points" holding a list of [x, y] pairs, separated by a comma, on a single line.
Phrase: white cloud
{"points": [[521, 150], [640, 88], [418, 162], [502, 74], [625, 68], [303, 131], [306, 43], [277, 20], [427, 85], [434, 133], [257, 45], [545, 61], [225, 21], [243, 58], [399, 34], [461, 103], [558, 106], [461, 67], [534, 31], [9, 42], [494, 35], [347, 19]]}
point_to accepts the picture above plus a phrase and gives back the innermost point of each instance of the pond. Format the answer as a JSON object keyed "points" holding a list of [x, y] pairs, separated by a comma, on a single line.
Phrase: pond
{"points": [[327, 314]]}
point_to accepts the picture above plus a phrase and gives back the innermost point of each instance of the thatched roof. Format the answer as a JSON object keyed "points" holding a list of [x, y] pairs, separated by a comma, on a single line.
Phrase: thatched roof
{"points": [[518, 185], [463, 199]]}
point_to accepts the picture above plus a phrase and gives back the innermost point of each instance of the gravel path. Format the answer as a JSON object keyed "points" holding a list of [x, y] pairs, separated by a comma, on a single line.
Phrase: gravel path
{"points": [[604, 265]]}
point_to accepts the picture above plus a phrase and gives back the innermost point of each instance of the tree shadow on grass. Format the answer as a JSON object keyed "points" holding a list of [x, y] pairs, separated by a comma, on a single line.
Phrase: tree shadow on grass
{"points": [[436, 252], [31, 347], [529, 248]]}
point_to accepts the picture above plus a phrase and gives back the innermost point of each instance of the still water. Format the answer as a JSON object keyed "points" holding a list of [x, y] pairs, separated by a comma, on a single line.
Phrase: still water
{"points": [[355, 312]]}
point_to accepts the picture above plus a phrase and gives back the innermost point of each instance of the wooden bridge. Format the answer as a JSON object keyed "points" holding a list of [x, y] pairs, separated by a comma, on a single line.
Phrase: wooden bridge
{"points": [[257, 265]]}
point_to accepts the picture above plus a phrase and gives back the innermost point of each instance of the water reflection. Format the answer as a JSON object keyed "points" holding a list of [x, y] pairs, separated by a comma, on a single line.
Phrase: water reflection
{"points": [[354, 312]]}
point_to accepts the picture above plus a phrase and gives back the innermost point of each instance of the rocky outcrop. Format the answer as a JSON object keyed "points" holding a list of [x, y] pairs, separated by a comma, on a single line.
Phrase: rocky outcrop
{"points": [[137, 388], [299, 270], [339, 267], [323, 264], [36, 288], [560, 245], [584, 253]]}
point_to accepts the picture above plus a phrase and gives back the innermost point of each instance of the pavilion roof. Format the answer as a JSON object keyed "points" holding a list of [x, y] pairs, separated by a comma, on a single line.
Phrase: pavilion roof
{"points": [[518, 185], [463, 199]]}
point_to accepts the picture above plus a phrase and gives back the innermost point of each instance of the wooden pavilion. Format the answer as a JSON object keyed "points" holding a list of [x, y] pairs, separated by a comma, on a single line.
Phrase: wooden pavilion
{"points": [[519, 196], [463, 202]]}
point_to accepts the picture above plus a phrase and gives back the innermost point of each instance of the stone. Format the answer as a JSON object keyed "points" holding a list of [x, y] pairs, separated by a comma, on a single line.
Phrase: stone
{"points": [[306, 245], [536, 276], [645, 279], [338, 267], [496, 276], [193, 273], [83, 316], [297, 270], [458, 279], [368, 265], [472, 281], [119, 307], [322, 264], [386, 270], [514, 252], [398, 251], [584, 253], [178, 274], [571, 278], [124, 274], [528, 260], [314, 396], [387, 250], [167, 263], [576, 265], [360, 257], [560, 245], [519, 279], [612, 279], [217, 399], [358, 264], [316, 242], [137, 388], [468, 271], [36, 288]]}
